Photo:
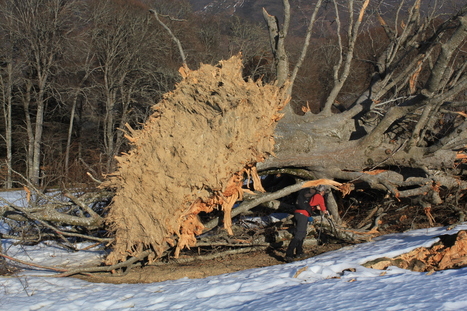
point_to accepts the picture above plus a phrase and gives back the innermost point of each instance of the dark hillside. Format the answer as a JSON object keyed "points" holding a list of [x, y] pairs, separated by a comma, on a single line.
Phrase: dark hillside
{"points": [[248, 9], [252, 9]]}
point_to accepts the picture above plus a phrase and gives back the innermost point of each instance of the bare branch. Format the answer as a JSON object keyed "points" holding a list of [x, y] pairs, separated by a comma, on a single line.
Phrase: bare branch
{"points": [[306, 44], [438, 75], [32, 264], [179, 44], [344, 68], [81, 204]]}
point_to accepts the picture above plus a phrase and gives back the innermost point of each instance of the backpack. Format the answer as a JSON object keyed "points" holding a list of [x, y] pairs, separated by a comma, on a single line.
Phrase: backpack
{"points": [[303, 202]]}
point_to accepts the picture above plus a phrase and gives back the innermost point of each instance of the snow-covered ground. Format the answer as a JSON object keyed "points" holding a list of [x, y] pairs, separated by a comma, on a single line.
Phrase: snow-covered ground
{"points": [[317, 283]]}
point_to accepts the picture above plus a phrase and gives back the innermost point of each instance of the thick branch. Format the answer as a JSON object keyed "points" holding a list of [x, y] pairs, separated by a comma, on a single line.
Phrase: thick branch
{"points": [[47, 213], [81, 204], [306, 44], [122, 265], [339, 79], [373, 139], [32, 264], [262, 198], [277, 40], [439, 70], [456, 139]]}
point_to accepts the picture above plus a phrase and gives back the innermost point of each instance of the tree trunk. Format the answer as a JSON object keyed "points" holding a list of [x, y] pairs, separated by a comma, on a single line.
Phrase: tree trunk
{"points": [[30, 145], [70, 132], [109, 129], [7, 101], [36, 158]]}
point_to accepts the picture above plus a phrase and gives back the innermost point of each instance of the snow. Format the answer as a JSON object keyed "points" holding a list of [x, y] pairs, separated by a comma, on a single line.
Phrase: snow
{"points": [[319, 283]]}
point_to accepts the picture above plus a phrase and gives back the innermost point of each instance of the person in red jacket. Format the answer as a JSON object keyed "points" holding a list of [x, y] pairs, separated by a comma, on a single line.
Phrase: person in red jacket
{"points": [[317, 203], [308, 202]]}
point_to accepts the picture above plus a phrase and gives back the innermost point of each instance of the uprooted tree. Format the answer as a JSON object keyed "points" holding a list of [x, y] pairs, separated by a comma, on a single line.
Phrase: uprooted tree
{"points": [[208, 140], [404, 135]]}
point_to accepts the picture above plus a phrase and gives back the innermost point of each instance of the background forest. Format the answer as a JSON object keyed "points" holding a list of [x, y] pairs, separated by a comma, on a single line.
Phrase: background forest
{"points": [[72, 73]]}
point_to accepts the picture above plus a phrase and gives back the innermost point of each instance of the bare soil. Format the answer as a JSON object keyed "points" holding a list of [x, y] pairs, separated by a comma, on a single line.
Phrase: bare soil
{"points": [[197, 269]]}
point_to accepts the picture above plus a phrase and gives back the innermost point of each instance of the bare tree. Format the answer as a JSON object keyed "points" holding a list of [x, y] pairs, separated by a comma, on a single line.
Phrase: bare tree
{"points": [[78, 65], [121, 52], [6, 86], [248, 38], [74, 73], [41, 27], [8, 79]]}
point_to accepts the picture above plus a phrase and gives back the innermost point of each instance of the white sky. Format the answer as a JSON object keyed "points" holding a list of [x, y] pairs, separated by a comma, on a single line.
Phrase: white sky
{"points": [[321, 286]]}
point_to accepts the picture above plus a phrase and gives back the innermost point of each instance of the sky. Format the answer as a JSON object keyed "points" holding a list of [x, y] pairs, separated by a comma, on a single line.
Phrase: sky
{"points": [[317, 283]]}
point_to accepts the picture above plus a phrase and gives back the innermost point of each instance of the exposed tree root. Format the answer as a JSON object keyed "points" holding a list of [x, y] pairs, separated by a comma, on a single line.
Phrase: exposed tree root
{"points": [[191, 156]]}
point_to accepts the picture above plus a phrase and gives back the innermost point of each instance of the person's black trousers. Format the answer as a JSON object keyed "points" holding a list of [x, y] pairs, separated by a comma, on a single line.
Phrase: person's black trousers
{"points": [[296, 245]]}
